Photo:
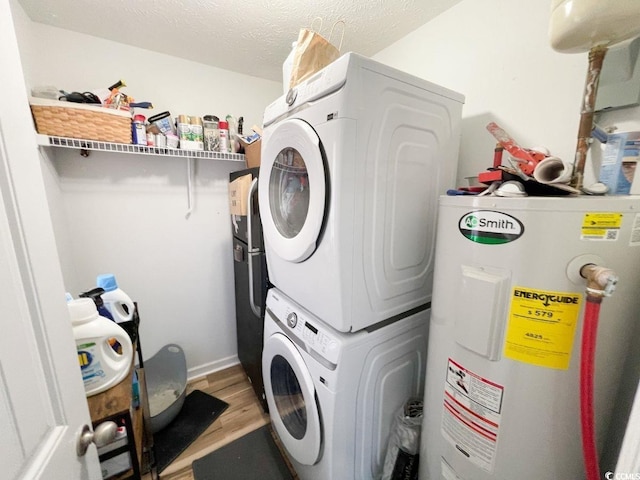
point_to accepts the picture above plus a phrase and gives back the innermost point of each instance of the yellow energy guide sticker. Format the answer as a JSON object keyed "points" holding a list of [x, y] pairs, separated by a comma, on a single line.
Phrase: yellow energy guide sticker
{"points": [[601, 226], [541, 327]]}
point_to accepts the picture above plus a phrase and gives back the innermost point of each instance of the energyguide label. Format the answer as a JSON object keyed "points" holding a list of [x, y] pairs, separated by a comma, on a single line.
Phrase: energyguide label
{"points": [[541, 327]]}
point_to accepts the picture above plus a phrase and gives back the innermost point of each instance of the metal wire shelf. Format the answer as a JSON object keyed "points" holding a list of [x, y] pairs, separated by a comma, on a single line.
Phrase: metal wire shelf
{"points": [[80, 144]]}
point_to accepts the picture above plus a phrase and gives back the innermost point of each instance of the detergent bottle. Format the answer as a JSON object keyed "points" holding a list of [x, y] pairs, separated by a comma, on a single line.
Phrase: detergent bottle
{"points": [[101, 366], [95, 294], [117, 302]]}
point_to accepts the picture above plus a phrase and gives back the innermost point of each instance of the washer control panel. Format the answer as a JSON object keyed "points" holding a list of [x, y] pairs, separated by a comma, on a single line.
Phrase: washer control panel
{"points": [[304, 326]]}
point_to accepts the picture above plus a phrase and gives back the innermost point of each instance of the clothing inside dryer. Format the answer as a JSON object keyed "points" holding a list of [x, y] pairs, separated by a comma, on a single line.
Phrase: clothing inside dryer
{"points": [[289, 192]]}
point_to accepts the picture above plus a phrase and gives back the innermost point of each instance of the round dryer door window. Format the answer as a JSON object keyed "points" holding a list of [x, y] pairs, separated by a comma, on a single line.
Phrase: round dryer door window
{"points": [[289, 192], [291, 397], [294, 193]]}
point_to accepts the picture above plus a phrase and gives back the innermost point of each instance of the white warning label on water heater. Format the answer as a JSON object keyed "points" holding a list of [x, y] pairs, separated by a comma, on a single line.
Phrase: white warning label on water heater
{"points": [[471, 414]]}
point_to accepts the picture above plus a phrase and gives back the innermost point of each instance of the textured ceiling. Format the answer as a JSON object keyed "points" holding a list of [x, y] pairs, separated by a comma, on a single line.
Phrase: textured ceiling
{"points": [[252, 36]]}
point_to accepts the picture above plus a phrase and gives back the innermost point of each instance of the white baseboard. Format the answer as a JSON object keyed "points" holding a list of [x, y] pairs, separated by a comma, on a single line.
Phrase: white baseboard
{"points": [[207, 368]]}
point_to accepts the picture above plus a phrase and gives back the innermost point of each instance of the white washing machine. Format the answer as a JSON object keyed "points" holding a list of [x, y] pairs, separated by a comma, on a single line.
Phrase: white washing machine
{"points": [[353, 162], [333, 396]]}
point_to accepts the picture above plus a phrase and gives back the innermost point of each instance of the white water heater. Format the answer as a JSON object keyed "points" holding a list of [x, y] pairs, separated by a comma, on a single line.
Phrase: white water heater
{"points": [[502, 382]]}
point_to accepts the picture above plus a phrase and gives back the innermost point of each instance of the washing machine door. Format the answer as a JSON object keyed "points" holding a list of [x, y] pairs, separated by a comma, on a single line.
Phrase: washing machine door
{"points": [[292, 189], [292, 400]]}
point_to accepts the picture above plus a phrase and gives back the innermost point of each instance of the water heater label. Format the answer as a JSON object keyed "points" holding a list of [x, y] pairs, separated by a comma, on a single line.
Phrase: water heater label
{"points": [[601, 226], [541, 327], [471, 414], [490, 227]]}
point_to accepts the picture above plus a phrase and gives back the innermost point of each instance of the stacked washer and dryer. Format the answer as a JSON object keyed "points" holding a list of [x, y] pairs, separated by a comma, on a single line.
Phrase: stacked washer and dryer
{"points": [[353, 162]]}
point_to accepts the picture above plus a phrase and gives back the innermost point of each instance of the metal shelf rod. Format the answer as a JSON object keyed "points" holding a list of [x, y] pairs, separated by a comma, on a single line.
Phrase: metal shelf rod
{"points": [[95, 145]]}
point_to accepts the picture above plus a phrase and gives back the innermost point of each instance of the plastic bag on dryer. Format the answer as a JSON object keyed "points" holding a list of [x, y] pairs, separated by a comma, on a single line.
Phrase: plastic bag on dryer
{"points": [[403, 450]]}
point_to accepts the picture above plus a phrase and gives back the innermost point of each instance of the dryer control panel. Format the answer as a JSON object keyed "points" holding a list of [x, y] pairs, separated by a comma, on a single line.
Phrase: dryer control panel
{"points": [[320, 84], [307, 330]]}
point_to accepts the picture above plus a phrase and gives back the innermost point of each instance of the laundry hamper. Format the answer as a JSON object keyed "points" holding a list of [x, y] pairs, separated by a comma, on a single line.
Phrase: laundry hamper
{"points": [[80, 120]]}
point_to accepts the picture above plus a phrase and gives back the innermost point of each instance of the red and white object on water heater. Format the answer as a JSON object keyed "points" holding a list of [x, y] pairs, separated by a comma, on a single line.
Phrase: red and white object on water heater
{"points": [[502, 383]]}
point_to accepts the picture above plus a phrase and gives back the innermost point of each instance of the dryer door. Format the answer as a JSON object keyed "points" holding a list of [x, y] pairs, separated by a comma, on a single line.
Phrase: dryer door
{"points": [[292, 190], [292, 399]]}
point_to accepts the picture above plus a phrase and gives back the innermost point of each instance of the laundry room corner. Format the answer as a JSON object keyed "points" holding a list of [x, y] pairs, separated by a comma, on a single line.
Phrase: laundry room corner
{"points": [[359, 240], [138, 204], [497, 53]]}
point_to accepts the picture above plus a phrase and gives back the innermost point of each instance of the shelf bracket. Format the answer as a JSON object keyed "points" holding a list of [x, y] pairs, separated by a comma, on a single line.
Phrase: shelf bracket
{"points": [[189, 187]]}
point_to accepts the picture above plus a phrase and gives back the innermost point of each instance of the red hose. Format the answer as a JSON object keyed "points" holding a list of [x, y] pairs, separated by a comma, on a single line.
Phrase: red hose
{"points": [[587, 367]]}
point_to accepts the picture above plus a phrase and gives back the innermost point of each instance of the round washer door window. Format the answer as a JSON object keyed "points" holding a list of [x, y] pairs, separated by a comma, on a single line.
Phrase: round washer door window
{"points": [[291, 398], [292, 188]]}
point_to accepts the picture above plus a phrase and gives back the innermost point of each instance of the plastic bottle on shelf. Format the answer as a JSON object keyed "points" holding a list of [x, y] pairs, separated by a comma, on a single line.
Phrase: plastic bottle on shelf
{"points": [[197, 132], [100, 365], [224, 136], [240, 133], [211, 133], [138, 130], [117, 301], [234, 145]]}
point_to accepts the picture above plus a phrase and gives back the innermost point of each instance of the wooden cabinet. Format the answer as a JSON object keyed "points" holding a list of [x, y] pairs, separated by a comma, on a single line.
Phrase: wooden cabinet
{"points": [[117, 404]]}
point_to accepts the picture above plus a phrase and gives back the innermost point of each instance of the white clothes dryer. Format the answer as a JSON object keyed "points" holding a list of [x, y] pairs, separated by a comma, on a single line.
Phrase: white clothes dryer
{"points": [[353, 162], [333, 396]]}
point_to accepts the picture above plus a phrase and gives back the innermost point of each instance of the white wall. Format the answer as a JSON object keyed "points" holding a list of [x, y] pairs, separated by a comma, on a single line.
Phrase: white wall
{"points": [[78, 62], [125, 214], [496, 52]]}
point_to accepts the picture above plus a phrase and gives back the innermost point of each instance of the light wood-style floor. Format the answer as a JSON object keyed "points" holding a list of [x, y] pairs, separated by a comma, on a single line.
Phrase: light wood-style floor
{"points": [[243, 416]]}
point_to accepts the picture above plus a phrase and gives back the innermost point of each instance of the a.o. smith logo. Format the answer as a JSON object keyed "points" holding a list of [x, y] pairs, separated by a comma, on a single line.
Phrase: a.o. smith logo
{"points": [[490, 227]]}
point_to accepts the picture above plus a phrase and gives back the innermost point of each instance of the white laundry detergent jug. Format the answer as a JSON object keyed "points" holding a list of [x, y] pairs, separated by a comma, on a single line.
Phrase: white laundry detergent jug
{"points": [[117, 302], [101, 366]]}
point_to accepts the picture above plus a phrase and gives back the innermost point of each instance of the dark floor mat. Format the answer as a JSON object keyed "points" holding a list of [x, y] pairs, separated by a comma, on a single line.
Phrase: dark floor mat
{"points": [[198, 412], [254, 456]]}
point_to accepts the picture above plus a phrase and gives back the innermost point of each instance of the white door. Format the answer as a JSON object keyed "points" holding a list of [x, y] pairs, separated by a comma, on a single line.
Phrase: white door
{"points": [[291, 397], [42, 401], [292, 190]]}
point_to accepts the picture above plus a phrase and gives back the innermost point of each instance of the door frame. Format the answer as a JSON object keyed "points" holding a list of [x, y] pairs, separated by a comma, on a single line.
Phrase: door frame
{"points": [[41, 390]]}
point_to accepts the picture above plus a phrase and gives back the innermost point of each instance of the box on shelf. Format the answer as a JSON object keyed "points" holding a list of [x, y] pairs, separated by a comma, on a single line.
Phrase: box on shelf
{"points": [[81, 120], [252, 152]]}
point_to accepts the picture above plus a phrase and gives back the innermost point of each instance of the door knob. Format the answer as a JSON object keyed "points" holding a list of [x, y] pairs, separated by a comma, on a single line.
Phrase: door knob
{"points": [[103, 434]]}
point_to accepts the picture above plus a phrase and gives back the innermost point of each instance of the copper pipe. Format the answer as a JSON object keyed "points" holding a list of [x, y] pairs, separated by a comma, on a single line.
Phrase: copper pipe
{"points": [[596, 57]]}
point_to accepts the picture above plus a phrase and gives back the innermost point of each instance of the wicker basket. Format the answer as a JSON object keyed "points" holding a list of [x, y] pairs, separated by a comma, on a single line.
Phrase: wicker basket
{"points": [[77, 120]]}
